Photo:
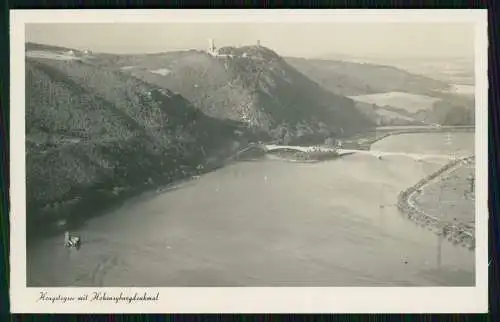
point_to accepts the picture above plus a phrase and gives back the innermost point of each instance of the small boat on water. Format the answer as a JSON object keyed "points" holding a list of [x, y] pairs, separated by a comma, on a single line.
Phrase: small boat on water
{"points": [[71, 241]]}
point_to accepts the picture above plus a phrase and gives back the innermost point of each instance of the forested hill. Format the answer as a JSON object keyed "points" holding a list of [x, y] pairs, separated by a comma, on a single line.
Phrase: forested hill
{"points": [[94, 135], [250, 84]]}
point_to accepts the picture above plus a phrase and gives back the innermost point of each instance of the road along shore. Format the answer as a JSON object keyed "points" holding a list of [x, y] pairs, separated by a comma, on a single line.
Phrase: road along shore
{"points": [[457, 233]]}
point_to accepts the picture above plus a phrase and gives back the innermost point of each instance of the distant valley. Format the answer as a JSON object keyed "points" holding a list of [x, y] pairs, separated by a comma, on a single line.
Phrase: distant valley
{"points": [[390, 95]]}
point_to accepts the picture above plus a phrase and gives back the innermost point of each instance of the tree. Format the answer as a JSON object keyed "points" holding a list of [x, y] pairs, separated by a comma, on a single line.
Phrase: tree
{"points": [[287, 138], [330, 142]]}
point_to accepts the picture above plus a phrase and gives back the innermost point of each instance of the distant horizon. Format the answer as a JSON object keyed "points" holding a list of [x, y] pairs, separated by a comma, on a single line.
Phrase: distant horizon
{"points": [[328, 56], [312, 40]]}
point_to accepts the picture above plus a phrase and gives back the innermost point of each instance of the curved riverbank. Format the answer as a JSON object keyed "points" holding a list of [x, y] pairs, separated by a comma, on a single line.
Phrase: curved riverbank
{"points": [[457, 233], [365, 140], [94, 202], [265, 223]]}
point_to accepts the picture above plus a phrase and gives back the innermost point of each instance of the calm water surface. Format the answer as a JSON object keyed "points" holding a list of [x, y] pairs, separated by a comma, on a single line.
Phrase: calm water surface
{"points": [[270, 223]]}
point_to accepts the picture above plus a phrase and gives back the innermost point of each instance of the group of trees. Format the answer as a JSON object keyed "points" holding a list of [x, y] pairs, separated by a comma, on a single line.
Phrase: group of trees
{"points": [[303, 133], [451, 113]]}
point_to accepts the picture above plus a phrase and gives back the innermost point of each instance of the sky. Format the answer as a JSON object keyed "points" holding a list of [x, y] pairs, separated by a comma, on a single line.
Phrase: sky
{"points": [[311, 40]]}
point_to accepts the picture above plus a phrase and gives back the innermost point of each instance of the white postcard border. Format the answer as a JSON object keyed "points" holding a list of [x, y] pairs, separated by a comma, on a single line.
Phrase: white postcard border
{"points": [[249, 299]]}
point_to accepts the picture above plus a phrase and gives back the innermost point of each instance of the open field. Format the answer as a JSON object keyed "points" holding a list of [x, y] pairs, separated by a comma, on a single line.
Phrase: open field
{"points": [[409, 102]]}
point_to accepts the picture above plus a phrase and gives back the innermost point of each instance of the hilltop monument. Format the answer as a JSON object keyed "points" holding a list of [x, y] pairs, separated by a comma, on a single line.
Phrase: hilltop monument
{"points": [[212, 50]]}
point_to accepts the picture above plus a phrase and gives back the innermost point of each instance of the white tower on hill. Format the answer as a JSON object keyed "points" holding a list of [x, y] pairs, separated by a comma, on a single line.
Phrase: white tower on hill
{"points": [[258, 43], [212, 50]]}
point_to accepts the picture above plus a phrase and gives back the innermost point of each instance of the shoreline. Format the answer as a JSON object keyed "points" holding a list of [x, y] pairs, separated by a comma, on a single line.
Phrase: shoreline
{"points": [[385, 132], [459, 233], [47, 228], [110, 202]]}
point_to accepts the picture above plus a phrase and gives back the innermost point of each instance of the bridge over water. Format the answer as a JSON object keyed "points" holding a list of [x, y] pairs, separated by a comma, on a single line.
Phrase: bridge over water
{"points": [[379, 154]]}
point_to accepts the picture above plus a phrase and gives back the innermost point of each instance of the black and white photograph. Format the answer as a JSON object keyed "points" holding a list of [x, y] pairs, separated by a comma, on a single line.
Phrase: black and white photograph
{"points": [[244, 154]]}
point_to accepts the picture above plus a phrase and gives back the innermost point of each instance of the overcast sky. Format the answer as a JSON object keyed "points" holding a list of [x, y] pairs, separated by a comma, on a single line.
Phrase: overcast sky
{"points": [[301, 40]]}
